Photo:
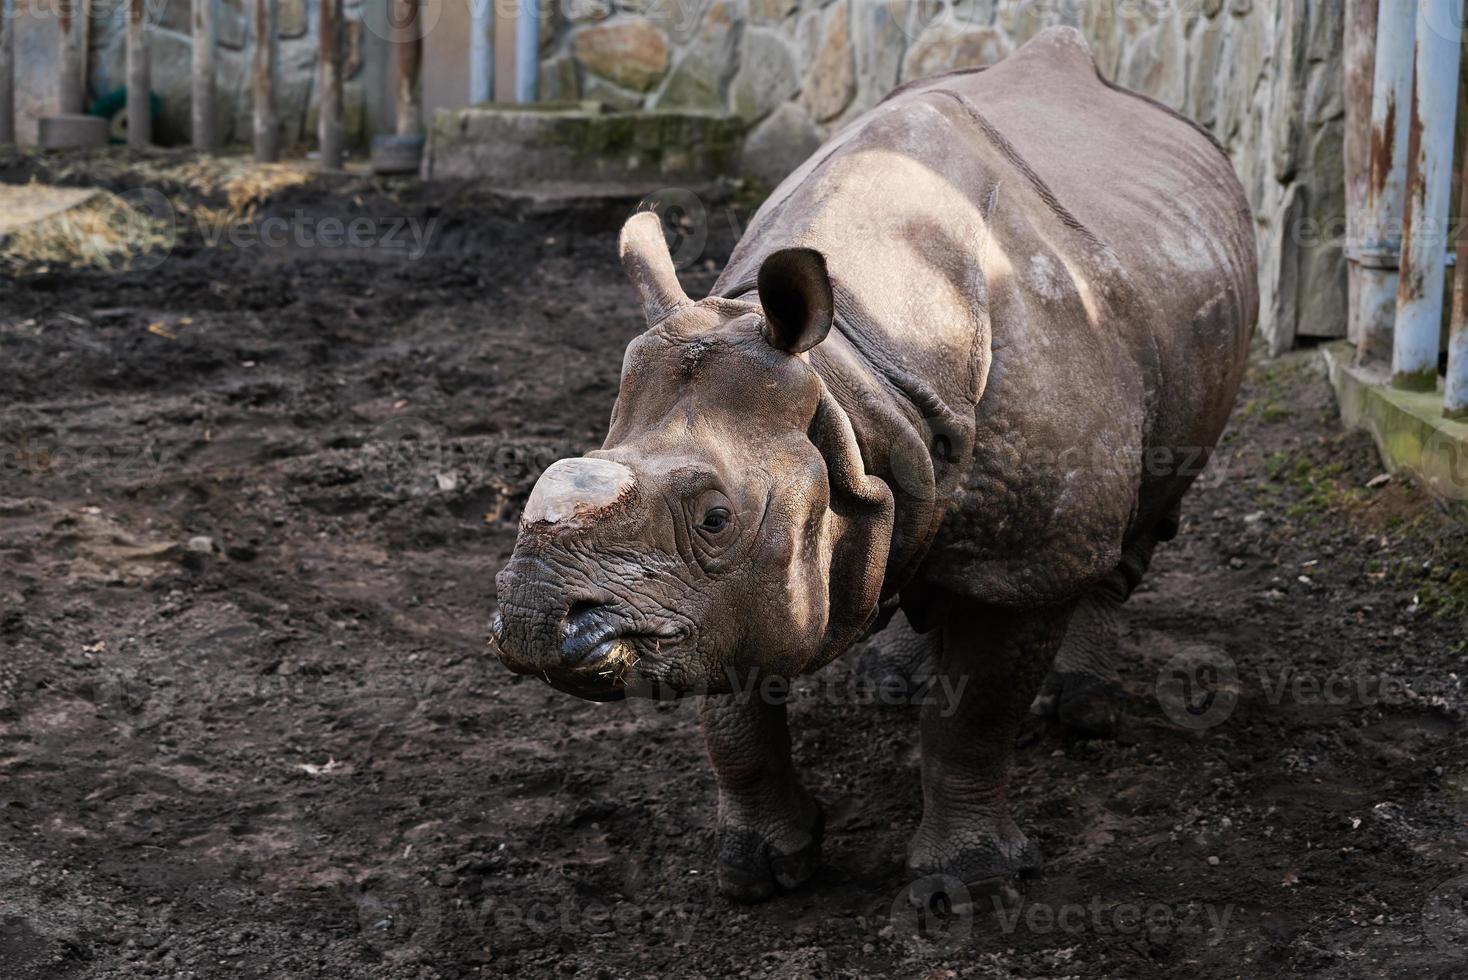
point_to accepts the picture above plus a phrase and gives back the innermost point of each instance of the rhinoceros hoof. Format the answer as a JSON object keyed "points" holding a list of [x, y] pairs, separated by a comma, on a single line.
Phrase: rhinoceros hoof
{"points": [[1077, 706], [752, 868], [989, 872]]}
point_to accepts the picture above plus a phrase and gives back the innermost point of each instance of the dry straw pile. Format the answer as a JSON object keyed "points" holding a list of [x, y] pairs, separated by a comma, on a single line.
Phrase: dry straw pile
{"points": [[68, 226], [42, 226]]}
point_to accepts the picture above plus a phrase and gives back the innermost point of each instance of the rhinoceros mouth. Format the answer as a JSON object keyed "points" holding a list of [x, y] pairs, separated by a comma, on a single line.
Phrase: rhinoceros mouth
{"points": [[621, 672], [619, 666]]}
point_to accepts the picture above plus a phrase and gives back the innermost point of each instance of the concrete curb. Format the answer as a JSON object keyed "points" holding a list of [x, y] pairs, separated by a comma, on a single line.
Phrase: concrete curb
{"points": [[1408, 426]]}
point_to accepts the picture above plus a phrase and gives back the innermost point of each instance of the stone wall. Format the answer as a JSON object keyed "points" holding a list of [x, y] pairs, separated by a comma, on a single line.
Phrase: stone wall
{"points": [[1264, 75]]}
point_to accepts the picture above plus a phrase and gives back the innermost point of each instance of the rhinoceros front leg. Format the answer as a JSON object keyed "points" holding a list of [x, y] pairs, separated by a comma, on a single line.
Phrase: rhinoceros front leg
{"points": [[993, 662], [769, 826]]}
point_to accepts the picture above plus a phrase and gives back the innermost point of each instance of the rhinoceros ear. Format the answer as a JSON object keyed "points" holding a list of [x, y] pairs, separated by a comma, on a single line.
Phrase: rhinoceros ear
{"points": [[795, 291], [645, 256]]}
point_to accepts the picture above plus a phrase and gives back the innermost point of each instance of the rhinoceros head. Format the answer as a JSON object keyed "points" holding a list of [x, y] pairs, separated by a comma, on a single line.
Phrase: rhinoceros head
{"points": [[726, 527]]}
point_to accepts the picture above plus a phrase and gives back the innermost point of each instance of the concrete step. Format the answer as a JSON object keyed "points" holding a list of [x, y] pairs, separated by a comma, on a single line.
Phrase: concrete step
{"points": [[1408, 426], [582, 145]]}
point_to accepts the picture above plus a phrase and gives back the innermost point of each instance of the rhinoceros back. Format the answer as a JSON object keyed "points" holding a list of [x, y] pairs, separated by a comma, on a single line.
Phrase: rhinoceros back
{"points": [[1068, 264]]}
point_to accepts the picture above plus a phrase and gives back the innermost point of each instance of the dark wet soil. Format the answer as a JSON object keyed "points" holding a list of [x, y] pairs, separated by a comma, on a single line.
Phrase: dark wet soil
{"points": [[251, 507]]}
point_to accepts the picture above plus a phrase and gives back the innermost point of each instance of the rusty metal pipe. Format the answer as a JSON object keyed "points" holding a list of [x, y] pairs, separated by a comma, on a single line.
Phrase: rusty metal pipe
{"points": [[139, 78], [1429, 187], [329, 112], [1359, 60], [1455, 396], [202, 80], [410, 58], [267, 132], [1377, 253]]}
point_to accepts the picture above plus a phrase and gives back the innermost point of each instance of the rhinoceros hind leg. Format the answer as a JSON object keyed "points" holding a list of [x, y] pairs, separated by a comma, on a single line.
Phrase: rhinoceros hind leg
{"points": [[900, 659], [1081, 697], [770, 827], [995, 659]]}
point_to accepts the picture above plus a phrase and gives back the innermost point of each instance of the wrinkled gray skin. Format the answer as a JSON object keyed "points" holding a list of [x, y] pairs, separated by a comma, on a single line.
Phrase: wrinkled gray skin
{"points": [[964, 362]]}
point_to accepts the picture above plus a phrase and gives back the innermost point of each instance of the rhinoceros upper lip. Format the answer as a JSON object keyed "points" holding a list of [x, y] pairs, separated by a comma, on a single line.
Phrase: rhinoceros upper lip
{"points": [[588, 649], [644, 644]]}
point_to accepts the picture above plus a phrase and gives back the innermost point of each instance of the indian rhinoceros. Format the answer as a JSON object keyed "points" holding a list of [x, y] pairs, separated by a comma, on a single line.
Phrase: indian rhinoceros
{"points": [[964, 362]]}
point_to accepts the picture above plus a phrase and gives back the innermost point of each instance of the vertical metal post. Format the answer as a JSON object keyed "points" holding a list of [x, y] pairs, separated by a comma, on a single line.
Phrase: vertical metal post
{"points": [[1377, 253], [329, 112], [527, 51], [1429, 189], [203, 74], [7, 74], [267, 132], [1455, 397], [139, 80], [1359, 57], [410, 59], [72, 92], [481, 51]]}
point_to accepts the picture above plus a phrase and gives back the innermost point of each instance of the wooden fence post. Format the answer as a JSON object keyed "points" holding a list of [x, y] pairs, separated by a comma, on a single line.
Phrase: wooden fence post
{"points": [[7, 74], [329, 112], [267, 132], [203, 74], [73, 91], [410, 58], [139, 81]]}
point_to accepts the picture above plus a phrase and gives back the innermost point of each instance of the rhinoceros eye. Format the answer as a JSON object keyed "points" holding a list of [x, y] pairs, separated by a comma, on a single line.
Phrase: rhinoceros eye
{"points": [[715, 520]]}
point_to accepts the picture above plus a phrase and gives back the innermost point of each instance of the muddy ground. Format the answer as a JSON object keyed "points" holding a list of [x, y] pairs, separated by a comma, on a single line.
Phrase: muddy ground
{"points": [[253, 502]]}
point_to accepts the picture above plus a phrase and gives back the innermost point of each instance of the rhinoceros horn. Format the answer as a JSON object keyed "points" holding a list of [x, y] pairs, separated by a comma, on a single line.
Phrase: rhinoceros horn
{"points": [[648, 264]]}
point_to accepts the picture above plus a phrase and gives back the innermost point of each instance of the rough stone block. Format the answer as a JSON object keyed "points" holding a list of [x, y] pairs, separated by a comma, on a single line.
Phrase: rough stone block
{"points": [[292, 22], [767, 75], [632, 53], [771, 11], [231, 21], [830, 83], [781, 143], [946, 47]]}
